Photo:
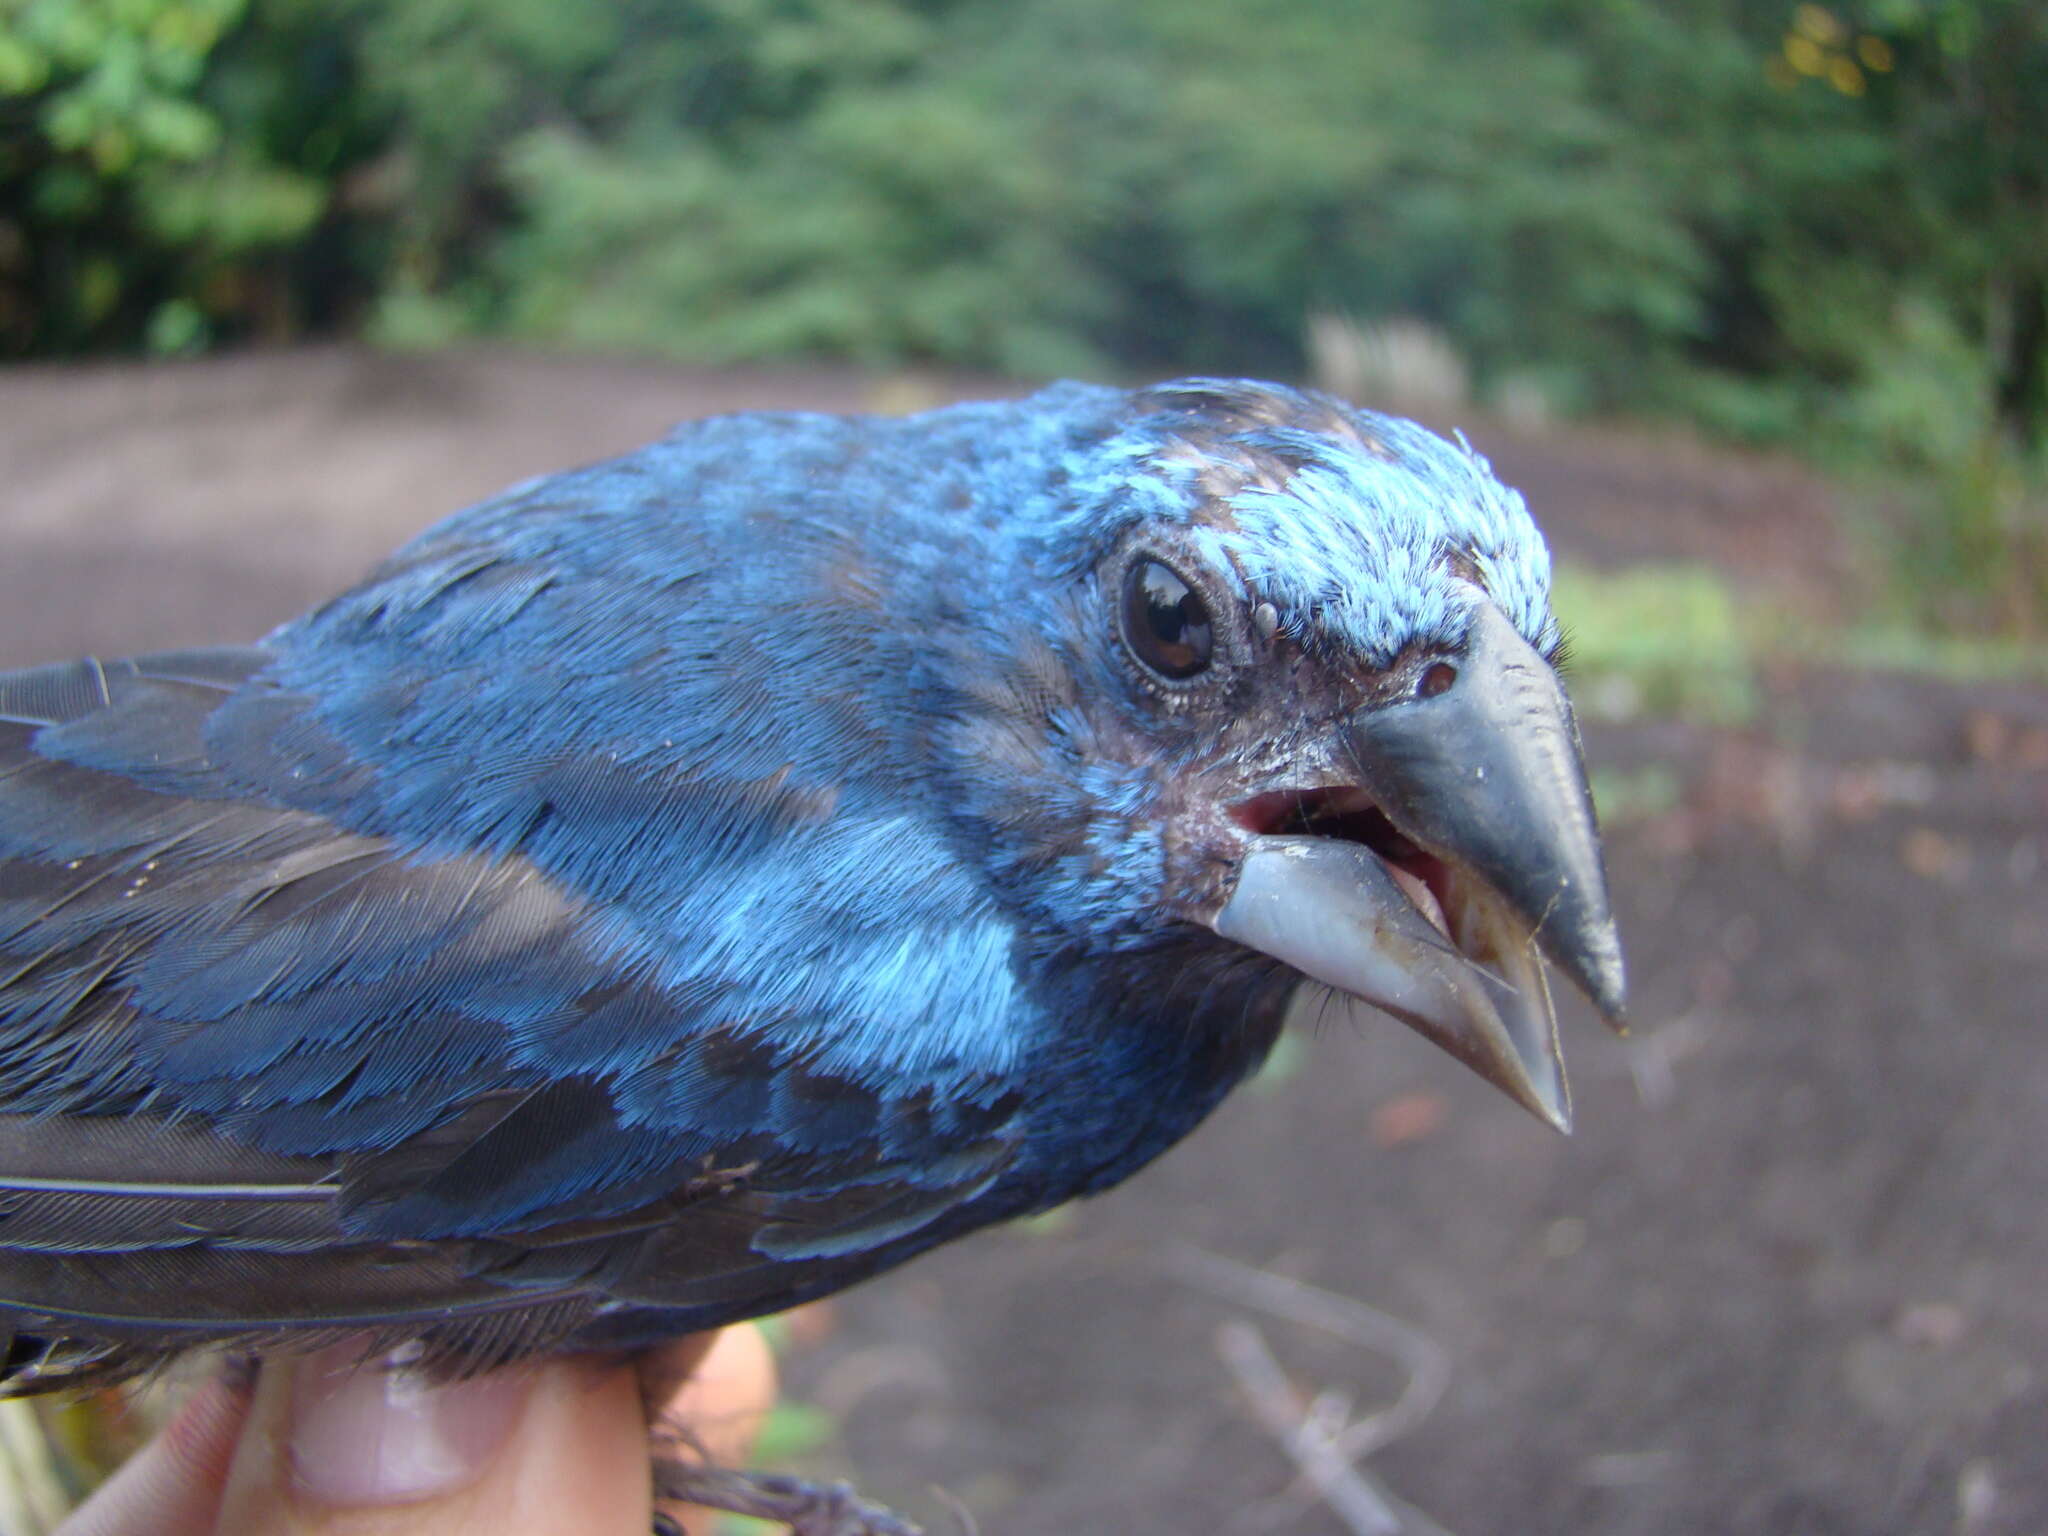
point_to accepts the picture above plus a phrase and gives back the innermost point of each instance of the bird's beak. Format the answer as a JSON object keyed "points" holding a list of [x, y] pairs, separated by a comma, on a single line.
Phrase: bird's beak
{"points": [[1497, 862]]}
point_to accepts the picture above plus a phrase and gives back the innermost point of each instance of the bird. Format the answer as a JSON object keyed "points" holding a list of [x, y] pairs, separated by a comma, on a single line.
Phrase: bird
{"points": [[679, 888]]}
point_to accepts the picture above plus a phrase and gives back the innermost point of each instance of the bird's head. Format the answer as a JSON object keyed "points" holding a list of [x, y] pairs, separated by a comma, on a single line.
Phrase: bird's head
{"points": [[1295, 688]]}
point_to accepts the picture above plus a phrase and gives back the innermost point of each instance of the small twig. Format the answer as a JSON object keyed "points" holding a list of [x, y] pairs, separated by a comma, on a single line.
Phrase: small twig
{"points": [[1329, 1412], [1342, 1486], [1427, 1363], [955, 1505]]}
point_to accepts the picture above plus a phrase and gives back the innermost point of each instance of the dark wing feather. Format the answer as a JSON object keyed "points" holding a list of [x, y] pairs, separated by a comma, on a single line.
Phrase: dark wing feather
{"points": [[106, 1183], [261, 1074]]}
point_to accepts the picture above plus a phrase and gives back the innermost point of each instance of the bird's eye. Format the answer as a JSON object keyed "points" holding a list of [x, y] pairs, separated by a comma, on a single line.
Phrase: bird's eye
{"points": [[1166, 622]]}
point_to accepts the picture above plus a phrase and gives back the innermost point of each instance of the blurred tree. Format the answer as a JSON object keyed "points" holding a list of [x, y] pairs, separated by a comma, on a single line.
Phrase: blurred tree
{"points": [[1941, 343], [1710, 202], [1963, 91], [122, 202], [1065, 184]]}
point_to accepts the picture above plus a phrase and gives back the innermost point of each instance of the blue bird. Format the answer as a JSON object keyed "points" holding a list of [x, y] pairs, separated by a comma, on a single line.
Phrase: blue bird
{"points": [[680, 888]]}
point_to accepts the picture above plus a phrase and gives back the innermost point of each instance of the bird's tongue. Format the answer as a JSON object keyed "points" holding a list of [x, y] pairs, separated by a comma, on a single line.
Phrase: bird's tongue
{"points": [[1417, 890]]}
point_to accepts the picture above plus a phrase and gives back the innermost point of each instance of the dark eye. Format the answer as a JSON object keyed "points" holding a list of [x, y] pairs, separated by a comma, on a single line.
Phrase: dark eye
{"points": [[1166, 622]]}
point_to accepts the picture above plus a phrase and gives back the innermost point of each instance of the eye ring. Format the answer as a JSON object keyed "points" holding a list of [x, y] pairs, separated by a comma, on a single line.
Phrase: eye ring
{"points": [[1166, 621]]}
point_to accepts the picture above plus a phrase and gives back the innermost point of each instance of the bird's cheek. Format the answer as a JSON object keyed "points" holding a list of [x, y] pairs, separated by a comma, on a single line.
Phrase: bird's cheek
{"points": [[1201, 853]]}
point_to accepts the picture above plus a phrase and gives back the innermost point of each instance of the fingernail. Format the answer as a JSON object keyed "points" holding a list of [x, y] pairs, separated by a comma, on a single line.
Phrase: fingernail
{"points": [[384, 1432]]}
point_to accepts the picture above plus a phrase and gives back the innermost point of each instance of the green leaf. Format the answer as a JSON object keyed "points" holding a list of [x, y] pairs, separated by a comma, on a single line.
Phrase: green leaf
{"points": [[177, 329], [23, 67], [229, 205], [176, 129]]}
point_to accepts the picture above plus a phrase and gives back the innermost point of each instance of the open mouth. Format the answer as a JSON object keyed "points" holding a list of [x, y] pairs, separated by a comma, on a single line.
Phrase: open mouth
{"points": [[1435, 886], [1350, 815], [1361, 906]]}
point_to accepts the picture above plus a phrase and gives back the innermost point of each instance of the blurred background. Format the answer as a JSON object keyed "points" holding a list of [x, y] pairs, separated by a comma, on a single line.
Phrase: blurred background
{"points": [[1751, 299]]}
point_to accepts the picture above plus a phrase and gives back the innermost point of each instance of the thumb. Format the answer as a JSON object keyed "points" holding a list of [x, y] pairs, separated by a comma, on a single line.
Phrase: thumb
{"points": [[340, 1446]]}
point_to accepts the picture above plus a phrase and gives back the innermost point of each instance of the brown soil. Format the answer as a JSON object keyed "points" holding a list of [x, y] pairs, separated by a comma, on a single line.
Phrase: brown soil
{"points": [[1787, 1277]]}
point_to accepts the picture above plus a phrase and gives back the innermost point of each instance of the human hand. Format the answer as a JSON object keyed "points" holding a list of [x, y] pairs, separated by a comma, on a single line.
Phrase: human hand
{"points": [[314, 1446]]}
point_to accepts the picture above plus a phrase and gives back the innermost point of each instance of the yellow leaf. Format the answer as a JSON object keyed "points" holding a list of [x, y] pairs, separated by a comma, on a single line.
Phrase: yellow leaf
{"points": [[1818, 23], [1804, 55]]}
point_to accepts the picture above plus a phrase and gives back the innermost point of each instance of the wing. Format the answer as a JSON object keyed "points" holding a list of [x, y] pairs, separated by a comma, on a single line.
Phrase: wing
{"points": [[263, 1072]]}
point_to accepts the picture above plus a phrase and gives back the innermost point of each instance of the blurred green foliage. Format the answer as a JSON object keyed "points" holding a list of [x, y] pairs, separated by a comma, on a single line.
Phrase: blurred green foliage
{"points": [[1793, 222], [1667, 641], [131, 206], [1624, 797]]}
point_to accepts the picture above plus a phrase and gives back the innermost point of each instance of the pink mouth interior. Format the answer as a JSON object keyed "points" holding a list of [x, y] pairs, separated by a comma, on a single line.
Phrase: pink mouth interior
{"points": [[1350, 815]]}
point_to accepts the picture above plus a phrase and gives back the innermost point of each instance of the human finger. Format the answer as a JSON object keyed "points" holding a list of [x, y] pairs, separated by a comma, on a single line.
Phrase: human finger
{"points": [[712, 1400], [336, 1446]]}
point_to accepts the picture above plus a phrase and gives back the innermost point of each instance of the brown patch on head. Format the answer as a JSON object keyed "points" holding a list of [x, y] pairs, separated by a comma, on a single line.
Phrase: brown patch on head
{"points": [[1232, 409], [1215, 418], [1459, 563], [1227, 404], [1221, 468]]}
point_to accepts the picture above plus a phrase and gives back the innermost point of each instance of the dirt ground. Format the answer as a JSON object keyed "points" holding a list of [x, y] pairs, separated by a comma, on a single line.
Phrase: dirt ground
{"points": [[1790, 1275]]}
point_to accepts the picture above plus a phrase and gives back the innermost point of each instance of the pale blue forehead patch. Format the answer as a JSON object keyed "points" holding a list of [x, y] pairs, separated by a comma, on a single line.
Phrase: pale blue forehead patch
{"points": [[1356, 536], [1355, 548]]}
